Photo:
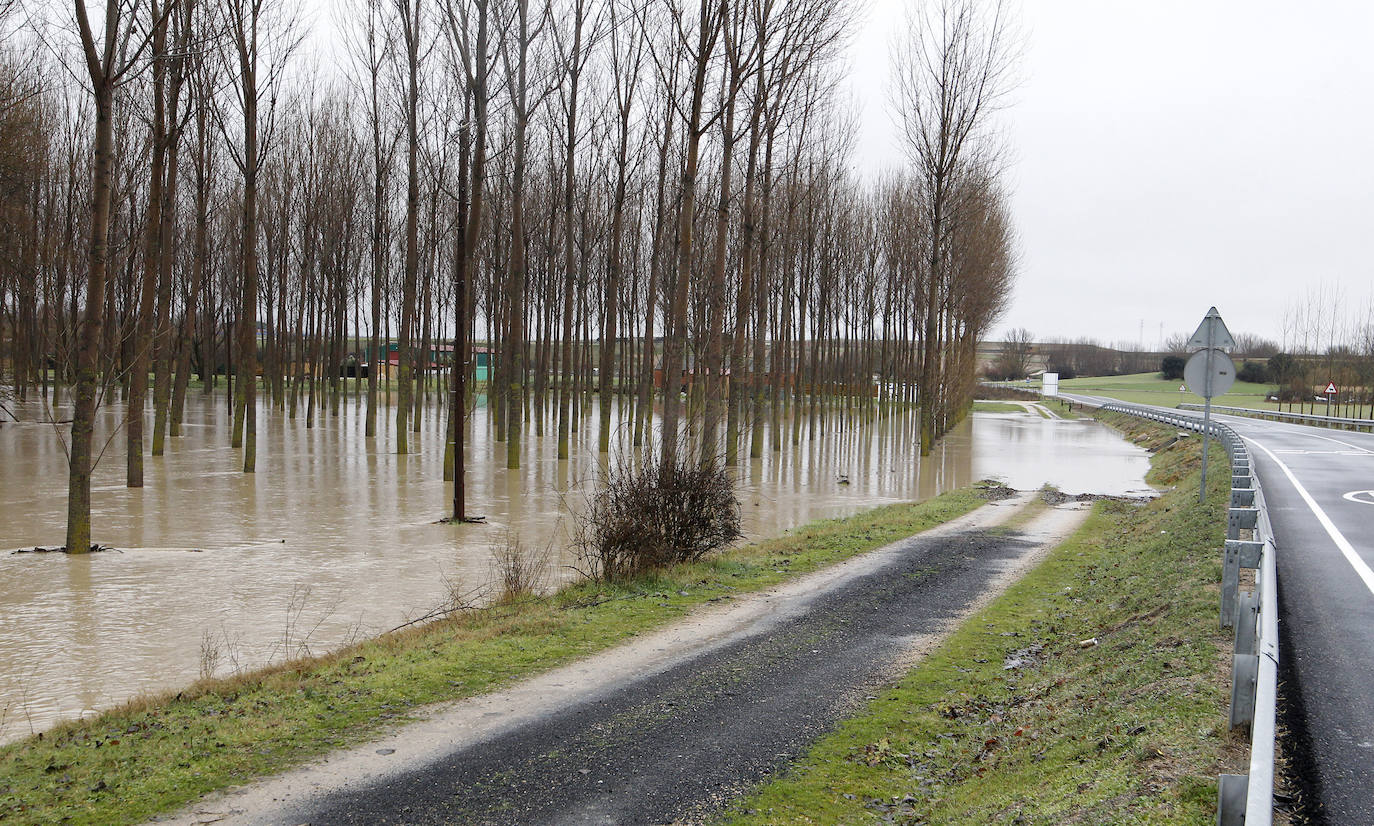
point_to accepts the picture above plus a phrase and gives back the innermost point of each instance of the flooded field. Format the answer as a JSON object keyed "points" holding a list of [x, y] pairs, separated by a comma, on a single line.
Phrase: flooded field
{"points": [[335, 537]]}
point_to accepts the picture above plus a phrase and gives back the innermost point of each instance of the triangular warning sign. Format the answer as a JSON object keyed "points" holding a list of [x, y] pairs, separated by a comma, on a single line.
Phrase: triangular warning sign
{"points": [[1331, 388], [1212, 332]]}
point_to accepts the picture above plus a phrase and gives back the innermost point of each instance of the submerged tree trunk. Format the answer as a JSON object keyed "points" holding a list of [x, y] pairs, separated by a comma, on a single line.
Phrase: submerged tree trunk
{"points": [[92, 319]]}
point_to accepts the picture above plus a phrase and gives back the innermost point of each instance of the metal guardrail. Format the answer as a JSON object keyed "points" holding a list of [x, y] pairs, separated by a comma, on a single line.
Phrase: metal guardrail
{"points": [[1243, 798], [1296, 418]]}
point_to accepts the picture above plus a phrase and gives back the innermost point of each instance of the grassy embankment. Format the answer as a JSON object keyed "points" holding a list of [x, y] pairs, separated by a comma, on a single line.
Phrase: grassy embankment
{"points": [[1018, 719], [1149, 388], [998, 407], [1037, 409], [161, 753]]}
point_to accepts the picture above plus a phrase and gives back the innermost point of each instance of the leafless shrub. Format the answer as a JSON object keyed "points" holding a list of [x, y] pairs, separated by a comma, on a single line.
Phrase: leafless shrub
{"points": [[297, 629], [210, 653], [16, 688], [457, 599], [458, 596], [518, 569], [652, 516], [220, 654]]}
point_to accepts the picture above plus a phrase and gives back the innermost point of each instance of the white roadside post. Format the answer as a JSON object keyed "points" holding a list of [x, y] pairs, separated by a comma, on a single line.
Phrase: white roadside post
{"points": [[1209, 372]]}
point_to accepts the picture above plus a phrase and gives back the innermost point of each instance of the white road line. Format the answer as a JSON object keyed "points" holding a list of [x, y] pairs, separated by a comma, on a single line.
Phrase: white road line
{"points": [[1303, 430], [1347, 549], [1337, 441], [1323, 453]]}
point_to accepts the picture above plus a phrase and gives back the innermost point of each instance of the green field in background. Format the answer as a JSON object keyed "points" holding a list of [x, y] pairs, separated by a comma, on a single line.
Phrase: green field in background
{"points": [[1149, 388]]}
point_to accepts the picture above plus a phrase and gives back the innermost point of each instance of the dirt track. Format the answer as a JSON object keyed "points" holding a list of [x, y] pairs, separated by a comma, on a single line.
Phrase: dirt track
{"points": [[671, 727]]}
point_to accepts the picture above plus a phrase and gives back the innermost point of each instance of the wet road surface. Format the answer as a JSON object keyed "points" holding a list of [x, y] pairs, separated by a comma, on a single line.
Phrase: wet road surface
{"points": [[1325, 540]]}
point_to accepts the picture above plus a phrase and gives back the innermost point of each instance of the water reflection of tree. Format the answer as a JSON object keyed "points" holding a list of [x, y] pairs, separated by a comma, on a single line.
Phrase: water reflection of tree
{"points": [[683, 230]]}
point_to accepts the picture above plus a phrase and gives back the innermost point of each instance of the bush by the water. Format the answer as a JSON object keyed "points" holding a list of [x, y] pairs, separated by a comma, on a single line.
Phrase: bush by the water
{"points": [[652, 516], [998, 392], [1253, 371]]}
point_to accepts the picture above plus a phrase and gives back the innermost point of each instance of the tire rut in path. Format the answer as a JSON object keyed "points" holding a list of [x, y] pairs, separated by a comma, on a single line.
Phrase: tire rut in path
{"points": [[677, 745]]}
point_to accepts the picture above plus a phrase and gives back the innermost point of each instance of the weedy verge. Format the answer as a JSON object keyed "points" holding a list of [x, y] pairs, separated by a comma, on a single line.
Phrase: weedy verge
{"points": [[1093, 691]]}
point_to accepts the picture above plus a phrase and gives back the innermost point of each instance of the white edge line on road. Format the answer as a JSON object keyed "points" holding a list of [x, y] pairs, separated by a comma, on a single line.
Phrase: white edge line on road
{"points": [[1363, 450], [1347, 549]]}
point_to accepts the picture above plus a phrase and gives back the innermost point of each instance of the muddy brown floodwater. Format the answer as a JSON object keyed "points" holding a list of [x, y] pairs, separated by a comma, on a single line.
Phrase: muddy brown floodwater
{"points": [[335, 536]]}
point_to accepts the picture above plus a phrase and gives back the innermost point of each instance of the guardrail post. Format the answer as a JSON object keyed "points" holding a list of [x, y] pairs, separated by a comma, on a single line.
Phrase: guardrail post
{"points": [[1230, 584], [1244, 672], [1252, 614], [1240, 519], [1231, 799], [1250, 551], [1247, 619]]}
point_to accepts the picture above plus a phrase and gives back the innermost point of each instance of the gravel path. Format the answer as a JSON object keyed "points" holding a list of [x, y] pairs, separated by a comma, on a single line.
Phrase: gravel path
{"points": [[673, 726]]}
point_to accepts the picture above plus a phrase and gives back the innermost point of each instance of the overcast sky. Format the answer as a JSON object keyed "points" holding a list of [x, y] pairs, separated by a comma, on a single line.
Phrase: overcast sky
{"points": [[1171, 155], [1167, 156]]}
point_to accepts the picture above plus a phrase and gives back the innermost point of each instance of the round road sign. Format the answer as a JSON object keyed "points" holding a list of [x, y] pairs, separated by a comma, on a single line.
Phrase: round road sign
{"points": [[1223, 372]]}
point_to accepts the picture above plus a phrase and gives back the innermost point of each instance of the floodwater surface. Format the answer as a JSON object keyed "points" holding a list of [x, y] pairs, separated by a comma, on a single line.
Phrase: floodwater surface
{"points": [[336, 537]]}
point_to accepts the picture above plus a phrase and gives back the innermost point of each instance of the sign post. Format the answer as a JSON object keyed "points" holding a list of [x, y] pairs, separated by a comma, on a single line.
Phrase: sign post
{"points": [[1330, 391], [1209, 372]]}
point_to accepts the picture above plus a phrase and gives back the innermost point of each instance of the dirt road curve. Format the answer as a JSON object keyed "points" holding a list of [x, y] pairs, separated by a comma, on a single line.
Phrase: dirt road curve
{"points": [[673, 726]]}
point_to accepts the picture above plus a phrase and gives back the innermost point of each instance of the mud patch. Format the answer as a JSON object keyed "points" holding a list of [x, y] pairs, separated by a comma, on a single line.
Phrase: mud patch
{"points": [[993, 490], [1054, 498]]}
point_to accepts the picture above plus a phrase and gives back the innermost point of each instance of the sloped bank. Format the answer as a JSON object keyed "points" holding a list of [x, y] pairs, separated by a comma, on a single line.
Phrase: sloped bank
{"points": [[1094, 691], [158, 754]]}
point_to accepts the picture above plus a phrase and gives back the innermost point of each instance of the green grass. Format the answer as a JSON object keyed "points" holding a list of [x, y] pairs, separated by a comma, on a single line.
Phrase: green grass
{"points": [[1131, 729], [1149, 388], [158, 754], [997, 407]]}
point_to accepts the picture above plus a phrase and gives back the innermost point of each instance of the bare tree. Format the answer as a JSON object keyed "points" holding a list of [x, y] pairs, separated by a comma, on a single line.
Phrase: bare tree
{"points": [[175, 120], [627, 56], [1014, 360], [469, 33], [952, 72], [410, 17], [261, 36], [371, 48], [574, 52], [709, 20], [526, 94], [109, 57]]}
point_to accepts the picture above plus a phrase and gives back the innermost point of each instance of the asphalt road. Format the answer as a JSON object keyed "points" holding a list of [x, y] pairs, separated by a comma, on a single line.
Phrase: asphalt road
{"points": [[1319, 487], [684, 742], [675, 745]]}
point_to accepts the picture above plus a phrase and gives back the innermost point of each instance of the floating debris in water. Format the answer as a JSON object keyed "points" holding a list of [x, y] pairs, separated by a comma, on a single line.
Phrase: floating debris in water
{"points": [[62, 549]]}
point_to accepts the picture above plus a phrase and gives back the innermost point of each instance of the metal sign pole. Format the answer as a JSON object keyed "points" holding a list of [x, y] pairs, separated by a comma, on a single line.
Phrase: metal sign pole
{"points": [[1207, 412]]}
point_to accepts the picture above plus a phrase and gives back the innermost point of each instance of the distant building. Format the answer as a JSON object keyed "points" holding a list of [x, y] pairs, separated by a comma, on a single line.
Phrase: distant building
{"points": [[440, 357]]}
